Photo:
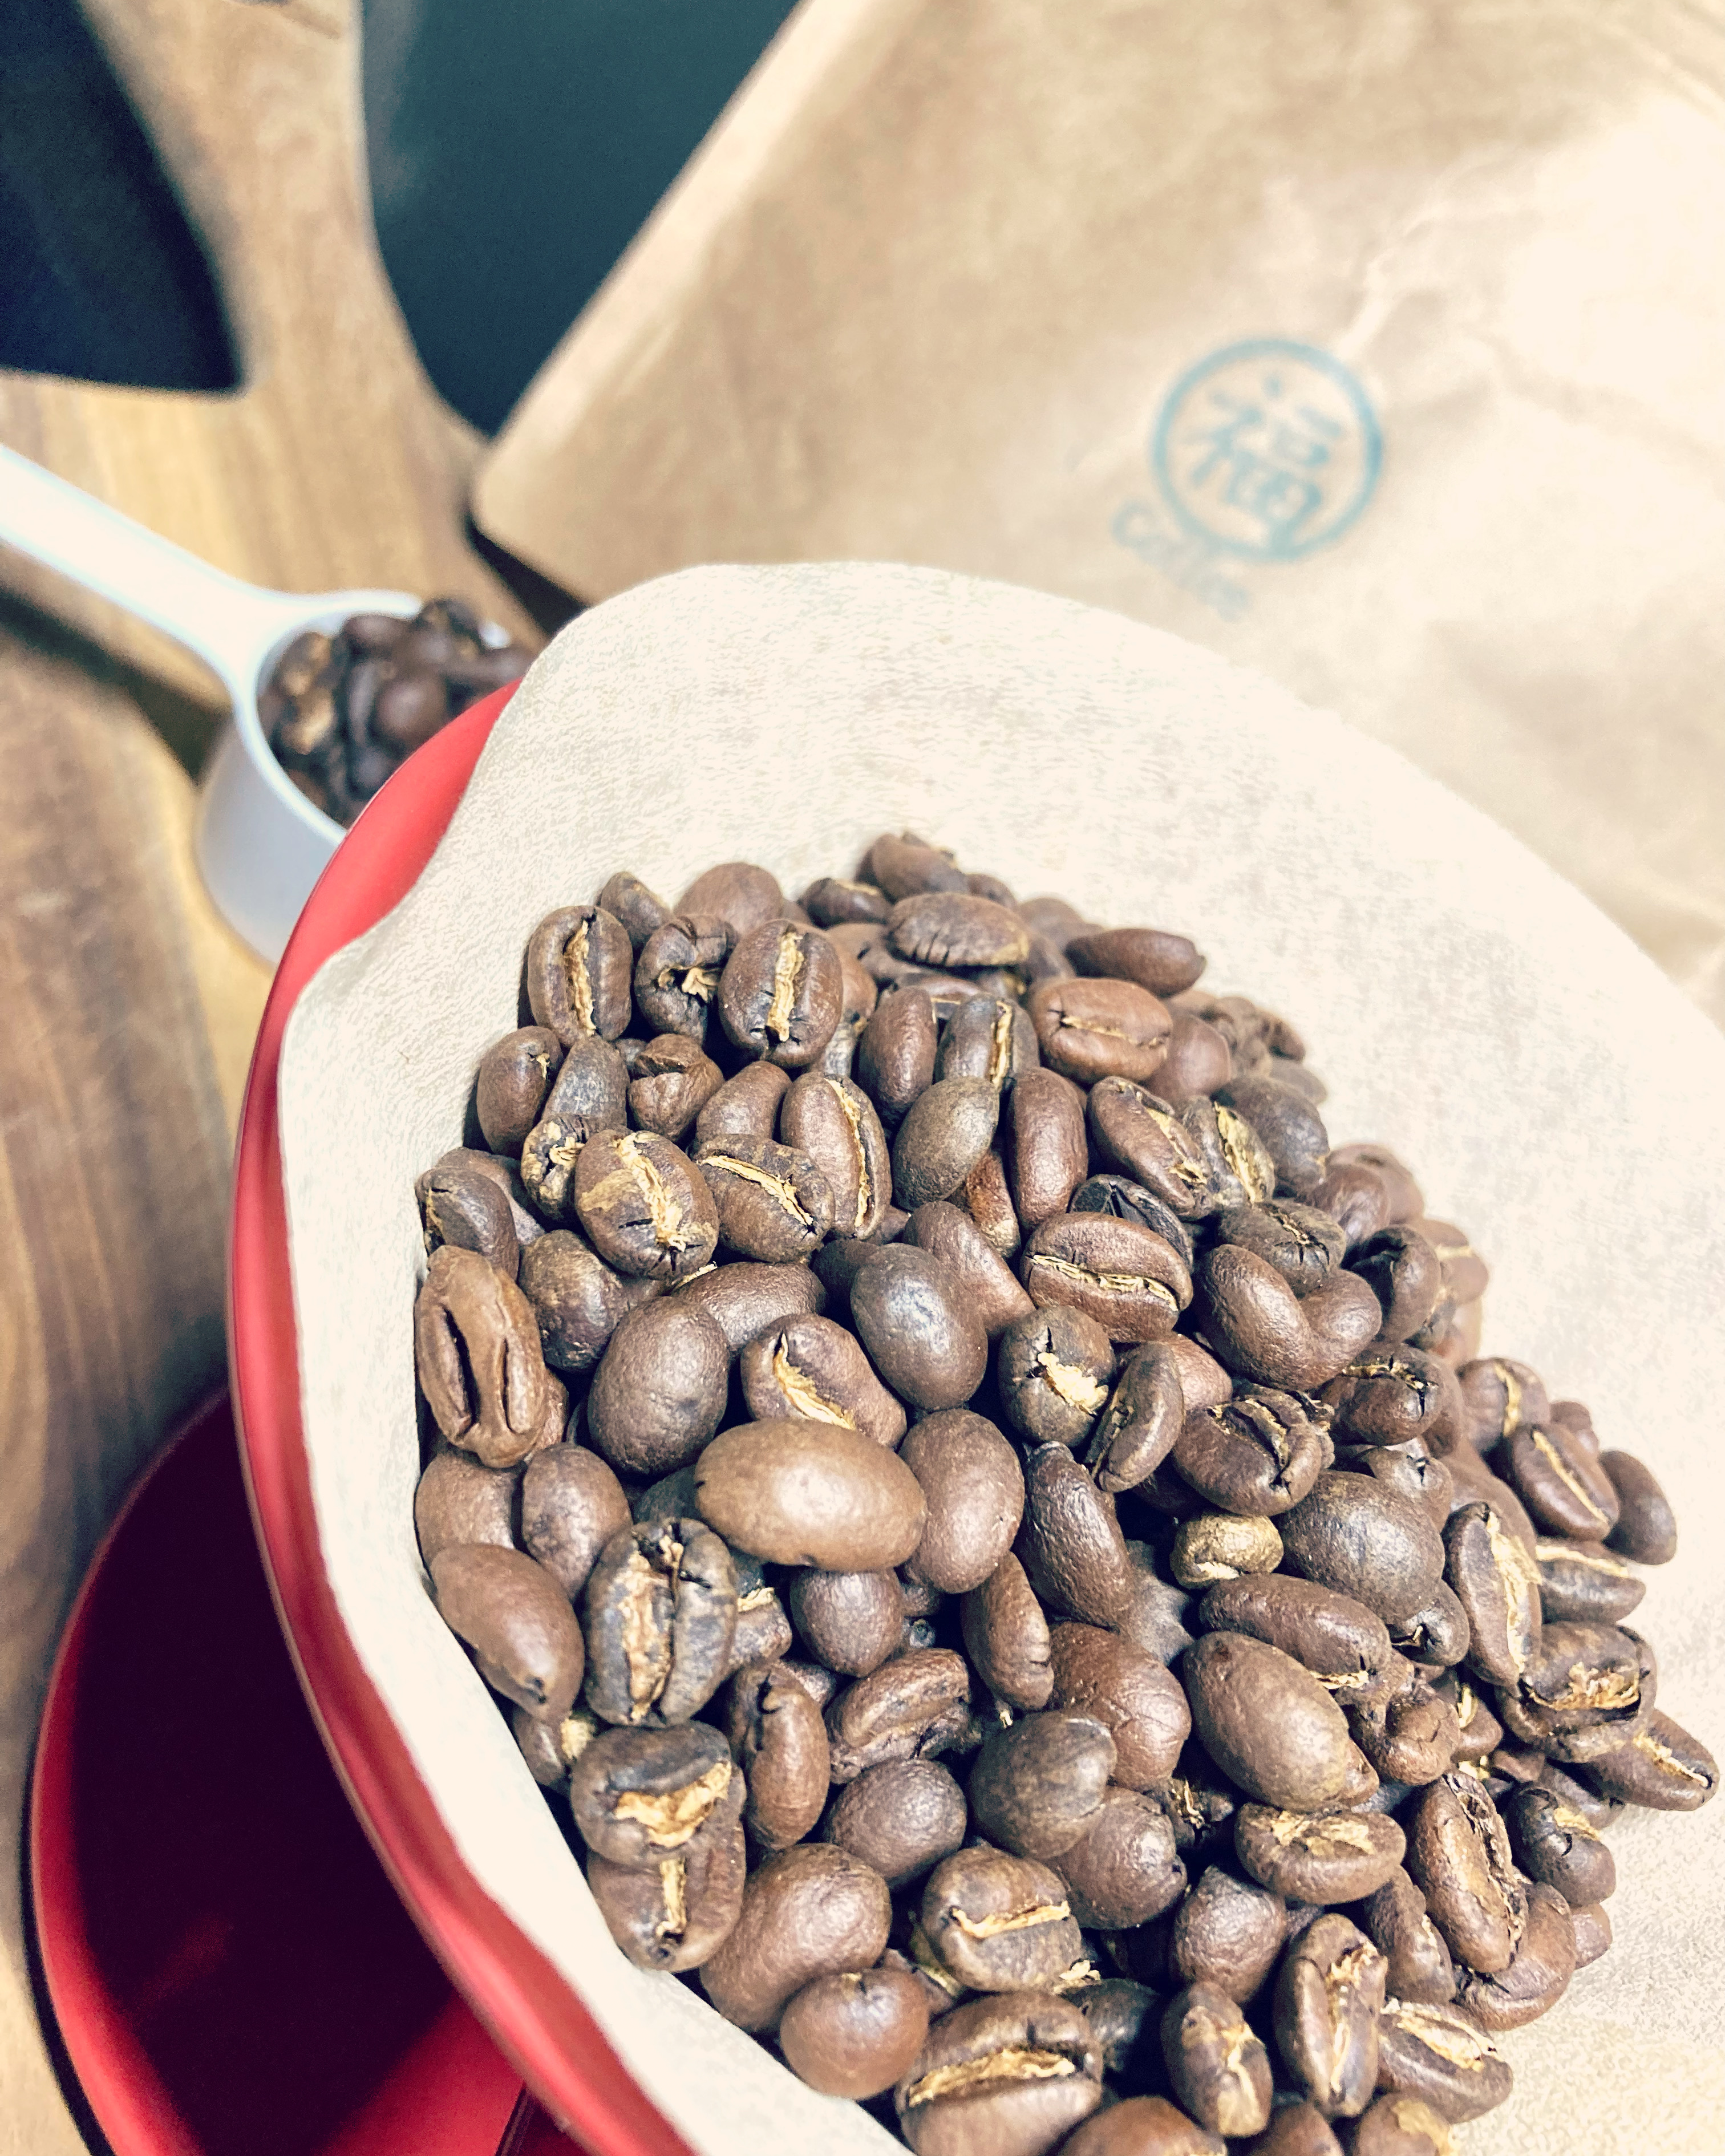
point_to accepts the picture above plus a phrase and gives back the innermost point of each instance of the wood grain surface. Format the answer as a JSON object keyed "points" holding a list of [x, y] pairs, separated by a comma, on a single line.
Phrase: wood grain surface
{"points": [[129, 1008]]}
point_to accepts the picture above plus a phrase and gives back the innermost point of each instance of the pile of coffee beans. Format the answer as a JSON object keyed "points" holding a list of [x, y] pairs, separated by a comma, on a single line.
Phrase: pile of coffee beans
{"points": [[342, 712], [997, 1537]]}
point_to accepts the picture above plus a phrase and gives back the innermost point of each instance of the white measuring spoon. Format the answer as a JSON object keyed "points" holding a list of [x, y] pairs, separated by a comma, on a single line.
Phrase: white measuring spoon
{"points": [[260, 845]]}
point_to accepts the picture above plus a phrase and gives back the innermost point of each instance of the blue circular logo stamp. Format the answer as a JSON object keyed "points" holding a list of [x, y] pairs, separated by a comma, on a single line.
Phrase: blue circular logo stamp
{"points": [[1267, 450]]}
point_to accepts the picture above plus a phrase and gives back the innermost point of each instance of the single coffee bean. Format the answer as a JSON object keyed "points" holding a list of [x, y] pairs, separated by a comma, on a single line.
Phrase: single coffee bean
{"points": [[1390, 1395], [857, 2033], [1141, 1422], [643, 1205], [627, 898], [505, 1174], [902, 1818], [1258, 1455], [674, 1915], [1125, 2017], [850, 1620], [578, 965], [1359, 1538], [901, 864], [1124, 1870], [1587, 1689], [1148, 1140], [834, 1123], [1495, 1579], [660, 1390], [1217, 1546], [572, 1507], [459, 1501], [811, 1910], [1227, 1933], [1592, 1927], [1286, 1123], [1304, 1245], [780, 1741], [1006, 2075], [1038, 1784], [1584, 1581], [1538, 1972], [957, 929], [1139, 1704], [1438, 1635], [1330, 1633], [742, 1300], [1317, 1857], [1147, 2126], [514, 1616], [989, 1037], [920, 1336], [1556, 1844], [1401, 2126], [549, 1155], [999, 1923], [1408, 1731], [1124, 1276], [1481, 1730], [1267, 1722], [1404, 1273], [551, 1748], [741, 896], [1562, 1484], [1458, 1853], [1198, 1061], [909, 1708], [1219, 2068], [946, 1133], [830, 900], [987, 1200], [1264, 1331], [1661, 1766], [974, 1489], [660, 1613], [811, 1367], [810, 1493], [1128, 1200], [1047, 1156], [773, 1203], [1646, 1528], [590, 1092], [1089, 1029], [1070, 1544], [896, 1053], [1007, 1637], [677, 973], [1329, 1995], [1163, 964], [985, 1279], [638, 1795], [1394, 1920], [1409, 1471], [781, 993], [1297, 2129], [577, 1299], [481, 1366], [1438, 2054], [671, 1081], [1053, 1369], [513, 1077], [1159, 1618], [745, 1107], [1501, 1396], [764, 1630]]}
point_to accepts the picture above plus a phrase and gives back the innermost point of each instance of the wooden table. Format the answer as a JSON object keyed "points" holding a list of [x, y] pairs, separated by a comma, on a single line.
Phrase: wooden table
{"points": [[129, 1008]]}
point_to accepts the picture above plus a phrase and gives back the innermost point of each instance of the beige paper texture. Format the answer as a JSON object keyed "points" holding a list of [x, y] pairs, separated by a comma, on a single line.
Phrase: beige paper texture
{"points": [[934, 284], [1465, 1005]]}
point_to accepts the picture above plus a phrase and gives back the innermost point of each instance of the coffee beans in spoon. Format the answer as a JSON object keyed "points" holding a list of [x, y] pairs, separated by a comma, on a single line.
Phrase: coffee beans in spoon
{"points": [[993, 1536]]}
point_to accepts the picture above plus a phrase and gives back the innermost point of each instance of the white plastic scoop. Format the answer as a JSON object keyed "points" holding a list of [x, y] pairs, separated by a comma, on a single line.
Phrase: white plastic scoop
{"points": [[260, 845]]}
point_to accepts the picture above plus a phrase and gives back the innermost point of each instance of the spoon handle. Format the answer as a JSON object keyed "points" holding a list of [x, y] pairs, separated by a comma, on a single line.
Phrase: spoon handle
{"points": [[229, 625]]}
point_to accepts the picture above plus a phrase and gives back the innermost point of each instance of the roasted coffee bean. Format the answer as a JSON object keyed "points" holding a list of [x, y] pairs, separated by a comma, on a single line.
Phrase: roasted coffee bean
{"points": [[1264, 1331], [660, 1390], [1006, 2075], [1149, 1140], [1537, 1975], [1124, 1869], [1203, 1380], [1128, 1200], [989, 1037], [1295, 2129], [643, 1205], [742, 1300], [1007, 1637], [902, 1818], [1038, 1783], [1356, 1196], [1439, 2055], [1052, 917], [671, 1081], [481, 1366], [773, 1203], [1584, 1581], [1236, 1162], [909, 1708], [677, 973], [1587, 1689], [660, 1613], [1303, 1245], [984, 1278], [1217, 1546], [1359, 1538], [1286, 1124], [763, 1631], [1162, 964], [1141, 1422], [1268, 1723], [1317, 1857], [1159, 1618], [1401, 2126], [506, 1175], [857, 2033], [1071, 1545], [811, 1367], [1054, 1369], [780, 1741], [1198, 1062], [1089, 1029], [1437, 1635], [1331, 1635], [627, 898], [745, 1107], [975, 1493], [517, 1620], [1459, 1854], [1141, 1705], [572, 1507], [1047, 1156], [1410, 1734], [1141, 2126], [896, 1053], [1391, 1394], [514, 1078], [1556, 1844], [850, 1620], [577, 1299], [1328, 1997], [811, 1910], [830, 900], [902, 864], [1481, 1730], [781, 995], [1592, 1927], [549, 1155], [674, 1915], [1259, 1454], [639, 1795], [1124, 1276], [458, 1500], [1661, 1766], [834, 1123], [578, 967], [948, 929], [948, 1130], [741, 896], [1646, 1528], [1562, 1484], [987, 1200], [1227, 1933], [810, 1493], [999, 1922], [1403, 1272], [590, 1091], [1394, 1920], [921, 1338], [1501, 1397], [551, 1748], [1125, 2017], [1219, 2068], [1495, 1579], [1410, 1472]]}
